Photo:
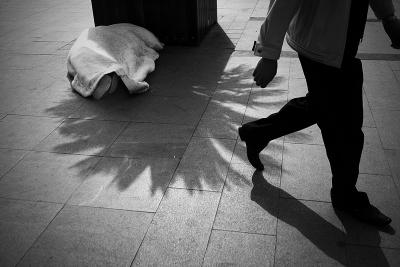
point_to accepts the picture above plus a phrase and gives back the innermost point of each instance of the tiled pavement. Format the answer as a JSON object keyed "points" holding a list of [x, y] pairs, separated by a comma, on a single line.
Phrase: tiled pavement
{"points": [[161, 178]]}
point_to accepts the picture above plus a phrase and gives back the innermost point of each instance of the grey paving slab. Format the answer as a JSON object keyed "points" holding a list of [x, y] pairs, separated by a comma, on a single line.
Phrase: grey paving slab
{"points": [[382, 194], [145, 108], [180, 229], [371, 138], [297, 88], [363, 256], [373, 161], [249, 202], [42, 176], [217, 128], [152, 140], [21, 223], [25, 132], [90, 236], [393, 158], [306, 172], [8, 159], [177, 110], [388, 124], [232, 94], [296, 71], [368, 118], [230, 248], [128, 184], [311, 135], [117, 107], [309, 234], [225, 111], [87, 137], [383, 94], [204, 165], [2, 115], [54, 101], [377, 70]]}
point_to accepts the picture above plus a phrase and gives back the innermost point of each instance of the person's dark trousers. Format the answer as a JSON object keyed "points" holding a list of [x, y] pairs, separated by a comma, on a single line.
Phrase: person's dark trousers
{"points": [[334, 102]]}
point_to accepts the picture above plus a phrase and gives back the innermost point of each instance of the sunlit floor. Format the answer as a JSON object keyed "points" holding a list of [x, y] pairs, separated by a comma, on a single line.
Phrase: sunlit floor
{"points": [[161, 178]]}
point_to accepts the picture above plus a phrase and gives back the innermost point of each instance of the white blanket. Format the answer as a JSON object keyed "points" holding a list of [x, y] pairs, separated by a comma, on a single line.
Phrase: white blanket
{"points": [[125, 49]]}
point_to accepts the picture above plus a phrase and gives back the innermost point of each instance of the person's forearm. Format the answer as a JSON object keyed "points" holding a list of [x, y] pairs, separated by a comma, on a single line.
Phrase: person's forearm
{"points": [[382, 8]]}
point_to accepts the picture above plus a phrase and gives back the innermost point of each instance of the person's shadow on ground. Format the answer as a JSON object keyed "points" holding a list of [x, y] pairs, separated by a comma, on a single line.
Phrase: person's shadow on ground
{"points": [[328, 238]]}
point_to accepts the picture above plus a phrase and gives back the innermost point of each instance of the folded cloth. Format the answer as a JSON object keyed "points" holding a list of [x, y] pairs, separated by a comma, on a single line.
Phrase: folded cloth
{"points": [[125, 49]]}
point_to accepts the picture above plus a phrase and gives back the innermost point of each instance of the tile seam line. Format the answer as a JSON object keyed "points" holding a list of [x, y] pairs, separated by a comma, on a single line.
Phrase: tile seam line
{"points": [[241, 232]]}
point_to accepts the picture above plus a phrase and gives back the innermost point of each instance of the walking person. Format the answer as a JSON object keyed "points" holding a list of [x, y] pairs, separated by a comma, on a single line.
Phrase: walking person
{"points": [[326, 35]]}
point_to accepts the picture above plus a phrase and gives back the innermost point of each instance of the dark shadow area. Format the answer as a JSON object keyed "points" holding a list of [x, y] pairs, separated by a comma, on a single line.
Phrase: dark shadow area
{"points": [[189, 83], [323, 234]]}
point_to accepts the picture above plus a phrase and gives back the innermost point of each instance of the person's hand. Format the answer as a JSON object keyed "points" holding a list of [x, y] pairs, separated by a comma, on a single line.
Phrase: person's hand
{"points": [[265, 71], [392, 28]]}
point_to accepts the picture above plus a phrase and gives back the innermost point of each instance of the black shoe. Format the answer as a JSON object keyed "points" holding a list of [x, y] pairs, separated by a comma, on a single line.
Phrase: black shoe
{"points": [[358, 206], [253, 147]]}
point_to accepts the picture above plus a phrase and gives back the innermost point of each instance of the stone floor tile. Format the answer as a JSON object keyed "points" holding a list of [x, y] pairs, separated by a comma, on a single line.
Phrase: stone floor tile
{"points": [[180, 229], [230, 248], [2, 116], [225, 111], [363, 256], [268, 98], [8, 159], [296, 71], [41, 176], [128, 184], [24, 132], [377, 70], [256, 112], [140, 140], [373, 161], [383, 94], [50, 103], [388, 124], [117, 107], [311, 135], [306, 172], [393, 158], [87, 137], [297, 88], [382, 194], [204, 165], [309, 234], [249, 202], [371, 138], [176, 110], [368, 118], [90, 236], [217, 128], [21, 223], [394, 65], [232, 95]]}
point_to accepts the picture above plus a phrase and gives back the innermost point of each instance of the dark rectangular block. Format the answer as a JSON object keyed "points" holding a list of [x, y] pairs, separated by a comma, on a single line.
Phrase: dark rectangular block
{"points": [[172, 21]]}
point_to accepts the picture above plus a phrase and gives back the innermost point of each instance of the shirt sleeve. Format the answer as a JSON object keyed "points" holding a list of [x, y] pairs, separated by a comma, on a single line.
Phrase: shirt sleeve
{"points": [[273, 30]]}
